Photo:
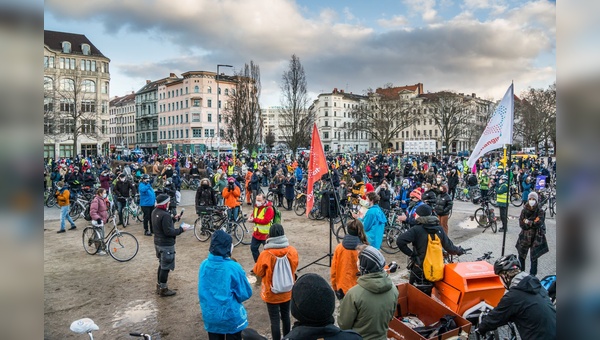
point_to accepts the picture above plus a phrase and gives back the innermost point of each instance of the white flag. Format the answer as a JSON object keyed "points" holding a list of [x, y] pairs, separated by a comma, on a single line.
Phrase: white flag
{"points": [[499, 129]]}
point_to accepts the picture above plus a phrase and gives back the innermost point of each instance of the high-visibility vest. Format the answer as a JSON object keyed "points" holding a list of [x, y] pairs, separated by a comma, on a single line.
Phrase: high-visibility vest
{"points": [[261, 228], [230, 170], [502, 198]]}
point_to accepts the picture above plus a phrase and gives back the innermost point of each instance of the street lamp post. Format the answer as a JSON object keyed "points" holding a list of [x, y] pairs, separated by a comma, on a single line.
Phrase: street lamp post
{"points": [[219, 117]]}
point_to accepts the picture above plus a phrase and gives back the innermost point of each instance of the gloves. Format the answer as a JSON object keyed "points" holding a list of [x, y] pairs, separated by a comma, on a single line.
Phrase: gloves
{"points": [[461, 251], [99, 221], [339, 294]]}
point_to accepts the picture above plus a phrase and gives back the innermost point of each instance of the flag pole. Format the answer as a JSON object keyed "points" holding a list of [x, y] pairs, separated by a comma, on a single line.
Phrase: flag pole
{"points": [[509, 165]]}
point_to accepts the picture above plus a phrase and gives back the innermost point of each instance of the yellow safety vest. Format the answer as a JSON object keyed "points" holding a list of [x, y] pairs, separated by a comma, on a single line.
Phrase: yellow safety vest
{"points": [[261, 228], [502, 198], [230, 170]]}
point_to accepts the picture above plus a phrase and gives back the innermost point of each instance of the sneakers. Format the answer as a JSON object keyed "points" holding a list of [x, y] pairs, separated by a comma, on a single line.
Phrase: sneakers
{"points": [[101, 252], [73, 227], [60, 231], [147, 233], [501, 229]]}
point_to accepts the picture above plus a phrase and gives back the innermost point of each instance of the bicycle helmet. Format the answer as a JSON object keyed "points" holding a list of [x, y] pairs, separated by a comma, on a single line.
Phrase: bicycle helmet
{"points": [[506, 263], [145, 176], [504, 178]]}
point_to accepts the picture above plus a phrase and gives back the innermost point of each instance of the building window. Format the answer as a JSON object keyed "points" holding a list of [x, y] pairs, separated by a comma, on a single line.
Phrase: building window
{"points": [[212, 132], [197, 102], [209, 102], [88, 86], [196, 133], [66, 47], [326, 104], [209, 90], [105, 87], [430, 121], [88, 106], [226, 92], [326, 113], [48, 62], [219, 104], [177, 93], [435, 132], [325, 135], [430, 134], [187, 133], [48, 84], [209, 117], [65, 150], [195, 117], [326, 123], [85, 49], [186, 118], [334, 124], [186, 90], [206, 132]]}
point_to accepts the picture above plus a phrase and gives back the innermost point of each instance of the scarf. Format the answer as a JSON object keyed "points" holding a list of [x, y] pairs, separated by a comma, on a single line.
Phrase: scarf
{"points": [[277, 242], [350, 242]]}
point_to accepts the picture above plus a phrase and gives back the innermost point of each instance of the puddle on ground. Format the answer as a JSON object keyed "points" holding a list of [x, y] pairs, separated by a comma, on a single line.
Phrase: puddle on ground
{"points": [[468, 223], [135, 312], [251, 278]]}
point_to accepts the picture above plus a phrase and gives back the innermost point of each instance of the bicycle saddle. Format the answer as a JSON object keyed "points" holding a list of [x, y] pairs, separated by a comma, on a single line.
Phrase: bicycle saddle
{"points": [[84, 325]]}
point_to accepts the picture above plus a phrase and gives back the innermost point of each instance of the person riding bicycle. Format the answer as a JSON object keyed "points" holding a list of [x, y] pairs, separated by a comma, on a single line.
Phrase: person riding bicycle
{"points": [[205, 196], [123, 190], [526, 303], [427, 224]]}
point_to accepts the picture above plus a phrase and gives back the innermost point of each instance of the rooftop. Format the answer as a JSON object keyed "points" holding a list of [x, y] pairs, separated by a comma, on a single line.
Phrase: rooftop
{"points": [[54, 40]]}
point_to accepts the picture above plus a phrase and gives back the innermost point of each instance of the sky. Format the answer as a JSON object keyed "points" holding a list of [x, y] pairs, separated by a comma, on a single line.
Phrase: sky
{"points": [[468, 46]]}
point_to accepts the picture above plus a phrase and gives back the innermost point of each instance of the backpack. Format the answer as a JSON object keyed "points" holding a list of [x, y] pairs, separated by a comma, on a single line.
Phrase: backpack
{"points": [[86, 213], [433, 264], [283, 278], [472, 180], [277, 216]]}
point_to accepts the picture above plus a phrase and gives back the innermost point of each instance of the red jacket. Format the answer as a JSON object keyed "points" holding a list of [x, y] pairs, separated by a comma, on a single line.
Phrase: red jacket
{"points": [[267, 218]]}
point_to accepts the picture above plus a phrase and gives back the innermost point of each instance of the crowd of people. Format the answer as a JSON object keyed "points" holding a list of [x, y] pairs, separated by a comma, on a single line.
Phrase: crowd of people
{"points": [[423, 186]]}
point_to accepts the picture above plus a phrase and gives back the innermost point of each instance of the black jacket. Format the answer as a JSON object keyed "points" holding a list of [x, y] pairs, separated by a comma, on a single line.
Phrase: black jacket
{"points": [[418, 237], [124, 189], [453, 180], [443, 204], [164, 231], [328, 332], [527, 305], [429, 198], [206, 197], [385, 199]]}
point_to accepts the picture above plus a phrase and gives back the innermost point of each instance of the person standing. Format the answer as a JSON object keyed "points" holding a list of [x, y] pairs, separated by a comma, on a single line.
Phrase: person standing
{"points": [[385, 195], [62, 199], [532, 238], [222, 288], [343, 264], [369, 306], [443, 207], [249, 198], [262, 217], [164, 242], [231, 196], [453, 181], [278, 305], [502, 201], [123, 190], [99, 213], [147, 199], [373, 221], [289, 184], [484, 183]]}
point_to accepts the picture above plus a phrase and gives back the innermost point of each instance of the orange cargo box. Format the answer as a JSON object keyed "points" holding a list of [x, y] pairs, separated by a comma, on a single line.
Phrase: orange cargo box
{"points": [[414, 302], [465, 284]]}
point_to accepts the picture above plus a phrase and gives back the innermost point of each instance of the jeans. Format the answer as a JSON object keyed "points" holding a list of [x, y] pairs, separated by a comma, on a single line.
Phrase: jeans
{"points": [[232, 214], [147, 210], [234, 336], [254, 245], [64, 215], [120, 205], [277, 311]]}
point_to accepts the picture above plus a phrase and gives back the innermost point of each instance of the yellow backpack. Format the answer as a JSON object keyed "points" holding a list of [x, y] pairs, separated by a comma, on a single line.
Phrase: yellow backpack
{"points": [[433, 264]]}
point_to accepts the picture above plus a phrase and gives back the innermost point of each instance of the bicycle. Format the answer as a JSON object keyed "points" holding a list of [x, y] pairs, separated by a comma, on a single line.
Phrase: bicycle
{"points": [[548, 201], [391, 231], [78, 206], [273, 196], [300, 204], [515, 196], [87, 325], [506, 332], [122, 246], [131, 207], [485, 216], [214, 218]]}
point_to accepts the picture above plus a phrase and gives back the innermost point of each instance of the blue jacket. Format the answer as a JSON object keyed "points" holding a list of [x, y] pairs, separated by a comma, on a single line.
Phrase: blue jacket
{"points": [[222, 287], [403, 195], [411, 220], [147, 195], [298, 174], [526, 189], [374, 223]]}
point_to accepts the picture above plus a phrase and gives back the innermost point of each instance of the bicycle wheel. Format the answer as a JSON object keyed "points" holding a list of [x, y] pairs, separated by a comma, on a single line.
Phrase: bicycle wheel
{"points": [[236, 232], [553, 208], [340, 233], [481, 217], [494, 226], [201, 233], [50, 201], [123, 246], [300, 206], [492, 197], [125, 217], [516, 200], [389, 240], [506, 332], [91, 240], [184, 185], [247, 239], [75, 212], [139, 214]]}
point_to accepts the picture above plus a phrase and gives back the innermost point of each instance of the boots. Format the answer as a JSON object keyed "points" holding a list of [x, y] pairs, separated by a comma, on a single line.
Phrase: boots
{"points": [[157, 288], [165, 291]]}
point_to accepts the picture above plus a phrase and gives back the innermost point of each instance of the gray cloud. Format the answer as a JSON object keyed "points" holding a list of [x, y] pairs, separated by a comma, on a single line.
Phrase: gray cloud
{"points": [[462, 54]]}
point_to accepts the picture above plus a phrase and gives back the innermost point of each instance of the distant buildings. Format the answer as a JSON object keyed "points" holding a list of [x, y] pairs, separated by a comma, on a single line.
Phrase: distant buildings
{"points": [[122, 123], [76, 95]]}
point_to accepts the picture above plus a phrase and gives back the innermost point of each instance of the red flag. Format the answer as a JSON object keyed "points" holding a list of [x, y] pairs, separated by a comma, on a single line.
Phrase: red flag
{"points": [[317, 167]]}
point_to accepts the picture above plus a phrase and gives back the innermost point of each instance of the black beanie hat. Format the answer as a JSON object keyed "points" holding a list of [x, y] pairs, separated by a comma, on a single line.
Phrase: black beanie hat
{"points": [[275, 230], [424, 210], [370, 260], [313, 301]]}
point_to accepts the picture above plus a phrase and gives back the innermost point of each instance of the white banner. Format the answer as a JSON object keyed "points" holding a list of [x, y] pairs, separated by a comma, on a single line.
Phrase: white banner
{"points": [[499, 130]]}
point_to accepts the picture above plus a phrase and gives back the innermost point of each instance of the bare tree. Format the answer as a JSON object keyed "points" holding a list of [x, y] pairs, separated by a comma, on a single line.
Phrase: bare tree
{"points": [[450, 113], [536, 116], [383, 117], [242, 115], [296, 117], [71, 108], [270, 140]]}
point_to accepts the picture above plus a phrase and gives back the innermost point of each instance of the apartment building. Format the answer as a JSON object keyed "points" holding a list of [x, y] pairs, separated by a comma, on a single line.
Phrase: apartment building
{"points": [[76, 96], [122, 123], [187, 112]]}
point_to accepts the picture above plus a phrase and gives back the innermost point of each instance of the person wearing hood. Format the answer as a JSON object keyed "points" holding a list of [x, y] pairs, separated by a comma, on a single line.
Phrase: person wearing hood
{"points": [[427, 225], [369, 306], [343, 264], [278, 304], [373, 220], [526, 303], [222, 289], [532, 238], [312, 305]]}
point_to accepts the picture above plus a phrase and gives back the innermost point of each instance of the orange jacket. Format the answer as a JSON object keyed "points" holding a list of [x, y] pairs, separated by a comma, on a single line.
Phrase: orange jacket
{"points": [[63, 198], [231, 197], [264, 268], [248, 178], [343, 268]]}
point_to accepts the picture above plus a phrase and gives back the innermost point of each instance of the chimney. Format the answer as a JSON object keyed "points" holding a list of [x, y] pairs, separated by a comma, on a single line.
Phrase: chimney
{"points": [[342, 91], [148, 81], [420, 85], [473, 95], [172, 75], [335, 90]]}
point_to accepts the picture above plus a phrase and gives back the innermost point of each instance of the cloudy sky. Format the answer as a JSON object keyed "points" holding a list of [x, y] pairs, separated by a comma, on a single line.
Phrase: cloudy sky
{"points": [[462, 45]]}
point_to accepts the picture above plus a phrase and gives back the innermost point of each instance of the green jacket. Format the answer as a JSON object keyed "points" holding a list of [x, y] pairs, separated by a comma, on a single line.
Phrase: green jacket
{"points": [[484, 182], [369, 306]]}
